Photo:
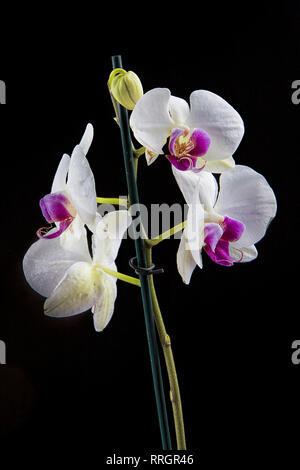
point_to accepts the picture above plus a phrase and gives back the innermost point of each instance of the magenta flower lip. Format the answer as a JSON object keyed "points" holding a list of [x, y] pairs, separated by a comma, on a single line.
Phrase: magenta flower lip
{"points": [[43, 232], [201, 142], [217, 239], [56, 208], [186, 149], [183, 163]]}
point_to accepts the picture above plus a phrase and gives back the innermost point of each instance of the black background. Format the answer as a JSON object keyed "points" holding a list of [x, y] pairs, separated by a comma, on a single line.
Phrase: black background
{"points": [[71, 391]]}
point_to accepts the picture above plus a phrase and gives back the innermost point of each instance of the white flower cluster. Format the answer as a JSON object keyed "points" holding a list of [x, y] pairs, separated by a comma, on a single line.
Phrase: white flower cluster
{"points": [[225, 220]]}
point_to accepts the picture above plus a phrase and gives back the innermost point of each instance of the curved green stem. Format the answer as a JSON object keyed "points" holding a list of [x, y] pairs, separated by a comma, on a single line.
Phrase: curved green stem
{"points": [[169, 359], [138, 152], [166, 234], [123, 277], [112, 200]]}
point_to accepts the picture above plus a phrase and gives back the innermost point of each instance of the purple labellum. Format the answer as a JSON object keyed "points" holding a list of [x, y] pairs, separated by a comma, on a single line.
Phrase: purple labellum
{"points": [[185, 148], [56, 208], [217, 238], [173, 139], [232, 229], [212, 234], [43, 232], [183, 163], [197, 170], [201, 143]]}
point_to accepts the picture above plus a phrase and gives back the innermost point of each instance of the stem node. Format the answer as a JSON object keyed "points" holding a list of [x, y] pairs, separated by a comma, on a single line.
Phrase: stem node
{"points": [[167, 340]]}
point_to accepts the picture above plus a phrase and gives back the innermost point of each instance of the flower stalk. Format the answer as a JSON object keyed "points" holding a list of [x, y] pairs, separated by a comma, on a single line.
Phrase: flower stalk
{"points": [[112, 200], [145, 283], [123, 277], [165, 341], [167, 234]]}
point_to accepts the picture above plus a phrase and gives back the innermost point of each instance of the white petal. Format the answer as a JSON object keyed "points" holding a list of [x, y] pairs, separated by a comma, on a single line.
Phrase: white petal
{"points": [[179, 110], [194, 230], [220, 120], [204, 183], [108, 236], [46, 262], [93, 226], [245, 195], [207, 188], [75, 238], [81, 186], [185, 261], [242, 255], [79, 290], [190, 185], [60, 178], [87, 138], [104, 307], [150, 119], [187, 182], [218, 166]]}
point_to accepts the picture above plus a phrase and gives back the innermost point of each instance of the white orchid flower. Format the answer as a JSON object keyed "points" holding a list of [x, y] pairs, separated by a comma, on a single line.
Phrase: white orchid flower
{"points": [[72, 201], [71, 279], [227, 222], [203, 136]]}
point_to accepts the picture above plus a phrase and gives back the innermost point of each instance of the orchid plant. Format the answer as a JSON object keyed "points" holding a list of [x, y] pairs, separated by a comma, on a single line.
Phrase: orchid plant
{"points": [[72, 263]]}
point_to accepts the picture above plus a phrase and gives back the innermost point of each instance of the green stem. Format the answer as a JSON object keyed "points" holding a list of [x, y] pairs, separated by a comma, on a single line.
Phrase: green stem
{"points": [[145, 284], [169, 359], [139, 152], [123, 277], [165, 339], [135, 163], [112, 200], [166, 234]]}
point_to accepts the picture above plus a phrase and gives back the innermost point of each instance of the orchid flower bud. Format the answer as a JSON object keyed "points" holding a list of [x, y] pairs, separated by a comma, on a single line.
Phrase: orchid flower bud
{"points": [[125, 87]]}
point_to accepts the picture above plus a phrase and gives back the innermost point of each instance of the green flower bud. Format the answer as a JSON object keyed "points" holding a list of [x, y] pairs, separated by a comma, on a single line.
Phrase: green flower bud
{"points": [[125, 87]]}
